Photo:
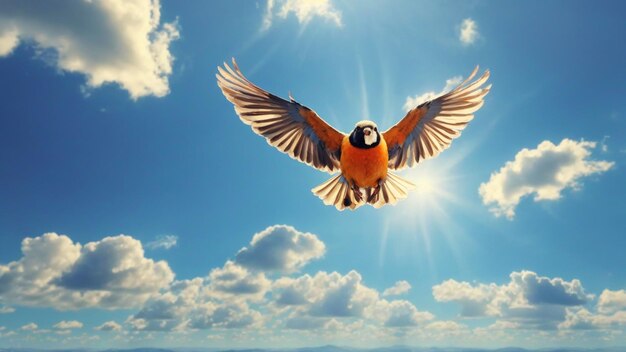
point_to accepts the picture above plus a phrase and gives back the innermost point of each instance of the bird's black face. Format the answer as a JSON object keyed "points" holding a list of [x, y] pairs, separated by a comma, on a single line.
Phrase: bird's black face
{"points": [[365, 136]]}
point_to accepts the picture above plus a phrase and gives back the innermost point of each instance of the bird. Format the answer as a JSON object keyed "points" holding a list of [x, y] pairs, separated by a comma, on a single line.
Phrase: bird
{"points": [[363, 160]]}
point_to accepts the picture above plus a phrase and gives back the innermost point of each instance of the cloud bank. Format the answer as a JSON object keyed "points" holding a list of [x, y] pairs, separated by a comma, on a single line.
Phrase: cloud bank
{"points": [[270, 298]]}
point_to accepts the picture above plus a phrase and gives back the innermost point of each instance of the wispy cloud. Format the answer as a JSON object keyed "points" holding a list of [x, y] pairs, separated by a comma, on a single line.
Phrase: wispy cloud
{"points": [[115, 41], [164, 242], [468, 32], [29, 327], [109, 326], [412, 102], [304, 10], [6, 310], [544, 171], [399, 288], [66, 325]]}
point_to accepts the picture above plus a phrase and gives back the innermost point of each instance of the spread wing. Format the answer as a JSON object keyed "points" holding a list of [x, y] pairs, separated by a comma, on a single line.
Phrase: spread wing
{"points": [[290, 127], [430, 128]]}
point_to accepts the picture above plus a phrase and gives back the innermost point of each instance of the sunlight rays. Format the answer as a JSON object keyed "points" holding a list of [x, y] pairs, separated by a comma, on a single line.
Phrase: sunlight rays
{"points": [[422, 221]]}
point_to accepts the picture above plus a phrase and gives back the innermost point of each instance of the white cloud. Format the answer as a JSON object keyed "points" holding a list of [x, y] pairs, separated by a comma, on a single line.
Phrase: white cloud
{"points": [[282, 248], [475, 300], [237, 281], [65, 325], [325, 295], [399, 288], [8, 41], [612, 301], [545, 171], [29, 327], [604, 147], [583, 319], [239, 297], [401, 313], [109, 326], [6, 310], [116, 41], [529, 300], [191, 304], [469, 31], [445, 326], [165, 242], [56, 272], [412, 102], [304, 10]]}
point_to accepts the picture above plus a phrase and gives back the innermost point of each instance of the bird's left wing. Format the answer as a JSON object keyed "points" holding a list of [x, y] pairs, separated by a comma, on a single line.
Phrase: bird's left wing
{"points": [[292, 128], [430, 128]]}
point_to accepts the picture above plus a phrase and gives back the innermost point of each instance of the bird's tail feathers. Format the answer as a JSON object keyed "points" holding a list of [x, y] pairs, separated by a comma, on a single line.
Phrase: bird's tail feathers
{"points": [[338, 193], [392, 189]]}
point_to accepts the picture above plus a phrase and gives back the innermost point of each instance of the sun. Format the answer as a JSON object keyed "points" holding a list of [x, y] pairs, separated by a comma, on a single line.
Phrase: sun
{"points": [[426, 215]]}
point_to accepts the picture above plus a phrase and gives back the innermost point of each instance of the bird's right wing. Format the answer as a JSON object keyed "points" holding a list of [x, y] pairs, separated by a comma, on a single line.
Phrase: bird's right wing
{"points": [[292, 128], [430, 128]]}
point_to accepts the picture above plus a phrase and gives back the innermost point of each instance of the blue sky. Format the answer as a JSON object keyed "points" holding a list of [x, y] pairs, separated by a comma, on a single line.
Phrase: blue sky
{"points": [[112, 123]]}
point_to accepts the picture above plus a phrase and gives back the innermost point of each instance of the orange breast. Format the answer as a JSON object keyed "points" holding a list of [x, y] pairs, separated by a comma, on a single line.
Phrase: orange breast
{"points": [[364, 166]]}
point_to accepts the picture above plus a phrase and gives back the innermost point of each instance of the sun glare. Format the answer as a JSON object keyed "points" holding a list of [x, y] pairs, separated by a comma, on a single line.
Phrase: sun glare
{"points": [[425, 216]]}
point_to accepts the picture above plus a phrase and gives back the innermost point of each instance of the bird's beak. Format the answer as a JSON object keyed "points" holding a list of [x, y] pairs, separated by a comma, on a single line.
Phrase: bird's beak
{"points": [[367, 131]]}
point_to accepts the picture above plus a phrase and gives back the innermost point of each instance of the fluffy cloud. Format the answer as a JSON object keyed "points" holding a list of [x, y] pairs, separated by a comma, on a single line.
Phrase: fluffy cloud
{"points": [[236, 280], [239, 294], [193, 304], [475, 300], [399, 288], [56, 272], [469, 31], [164, 242], [401, 313], [325, 299], [325, 295], [304, 10], [117, 41], [109, 326], [545, 171], [528, 299], [612, 301], [72, 324], [610, 313], [281, 248], [412, 102], [583, 319]]}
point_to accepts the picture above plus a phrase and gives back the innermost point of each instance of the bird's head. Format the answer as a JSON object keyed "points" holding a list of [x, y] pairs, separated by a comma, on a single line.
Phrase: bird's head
{"points": [[365, 135]]}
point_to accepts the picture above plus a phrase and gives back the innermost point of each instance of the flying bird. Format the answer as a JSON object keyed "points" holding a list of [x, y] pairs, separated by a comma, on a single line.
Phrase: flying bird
{"points": [[363, 159]]}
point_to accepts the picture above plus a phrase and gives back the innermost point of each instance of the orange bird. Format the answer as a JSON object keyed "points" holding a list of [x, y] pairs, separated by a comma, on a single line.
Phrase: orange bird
{"points": [[365, 157]]}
